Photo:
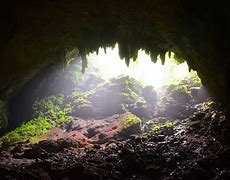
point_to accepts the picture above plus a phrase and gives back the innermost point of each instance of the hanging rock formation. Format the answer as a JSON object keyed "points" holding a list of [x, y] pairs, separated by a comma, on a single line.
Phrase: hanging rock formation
{"points": [[36, 33]]}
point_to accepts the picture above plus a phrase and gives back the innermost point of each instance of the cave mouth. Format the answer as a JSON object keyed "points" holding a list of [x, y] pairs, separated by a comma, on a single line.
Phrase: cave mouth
{"points": [[63, 98], [113, 114], [65, 125]]}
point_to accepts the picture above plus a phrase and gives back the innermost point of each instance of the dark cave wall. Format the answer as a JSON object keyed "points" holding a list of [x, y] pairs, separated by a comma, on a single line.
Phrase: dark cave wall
{"points": [[37, 33], [204, 43]]}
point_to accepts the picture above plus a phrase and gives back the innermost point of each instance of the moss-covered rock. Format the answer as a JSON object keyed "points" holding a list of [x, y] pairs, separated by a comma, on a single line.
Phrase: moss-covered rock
{"points": [[115, 96], [130, 124]]}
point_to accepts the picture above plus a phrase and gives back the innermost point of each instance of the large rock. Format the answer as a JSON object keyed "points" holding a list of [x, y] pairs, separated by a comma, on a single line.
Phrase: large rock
{"points": [[130, 124], [115, 96], [84, 111]]}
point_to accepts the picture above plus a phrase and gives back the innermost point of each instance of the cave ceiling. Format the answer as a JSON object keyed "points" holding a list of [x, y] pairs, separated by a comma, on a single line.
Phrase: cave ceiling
{"points": [[37, 33]]}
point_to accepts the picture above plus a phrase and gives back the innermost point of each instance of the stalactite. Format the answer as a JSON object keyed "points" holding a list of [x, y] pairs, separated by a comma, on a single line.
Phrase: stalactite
{"points": [[162, 56], [123, 51], [97, 51], [135, 55], [127, 61], [153, 56], [105, 50]]}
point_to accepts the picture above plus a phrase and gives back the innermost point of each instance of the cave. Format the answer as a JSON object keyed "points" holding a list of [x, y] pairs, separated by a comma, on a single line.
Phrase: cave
{"points": [[43, 42]]}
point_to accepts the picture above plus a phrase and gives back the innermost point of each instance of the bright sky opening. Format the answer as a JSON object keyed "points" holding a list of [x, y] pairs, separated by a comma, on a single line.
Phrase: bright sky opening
{"points": [[144, 70]]}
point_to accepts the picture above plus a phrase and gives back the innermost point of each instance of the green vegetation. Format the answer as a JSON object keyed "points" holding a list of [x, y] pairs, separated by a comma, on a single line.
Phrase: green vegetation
{"points": [[131, 120], [27, 131], [78, 98], [206, 105], [77, 77], [129, 87], [48, 113], [164, 125], [131, 124]]}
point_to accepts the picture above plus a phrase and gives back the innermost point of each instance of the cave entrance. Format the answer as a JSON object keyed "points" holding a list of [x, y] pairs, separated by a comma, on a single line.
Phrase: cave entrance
{"points": [[108, 101], [165, 89]]}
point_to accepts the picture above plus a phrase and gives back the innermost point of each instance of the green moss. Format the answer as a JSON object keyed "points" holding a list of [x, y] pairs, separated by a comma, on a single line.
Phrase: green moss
{"points": [[185, 89], [48, 113], [132, 95], [206, 105], [131, 120], [192, 80], [131, 124], [131, 88], [126, 94], [48, 106], [164, 125], [26, 131]]}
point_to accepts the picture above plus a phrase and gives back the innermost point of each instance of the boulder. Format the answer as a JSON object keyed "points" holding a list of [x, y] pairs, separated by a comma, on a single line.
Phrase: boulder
{"points": [[130, 124], [84, 111]]}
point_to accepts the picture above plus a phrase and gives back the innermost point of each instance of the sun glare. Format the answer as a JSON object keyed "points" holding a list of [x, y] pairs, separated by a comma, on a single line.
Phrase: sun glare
{"points": [[110, 65]]}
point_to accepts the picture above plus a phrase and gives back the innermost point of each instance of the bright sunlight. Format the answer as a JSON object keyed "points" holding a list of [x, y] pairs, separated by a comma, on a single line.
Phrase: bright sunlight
{"points": [[144, 70]]}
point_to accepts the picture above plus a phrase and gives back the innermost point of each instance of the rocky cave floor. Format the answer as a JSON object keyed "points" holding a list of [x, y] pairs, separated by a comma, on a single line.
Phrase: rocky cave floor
{"points": [[195, 145], [193, 148]]}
